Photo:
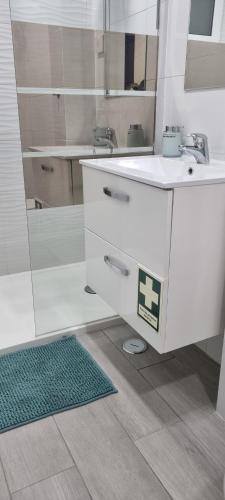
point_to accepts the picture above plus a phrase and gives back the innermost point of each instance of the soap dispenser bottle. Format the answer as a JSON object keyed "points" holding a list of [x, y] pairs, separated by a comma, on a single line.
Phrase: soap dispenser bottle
{"points": [[171, 141]]}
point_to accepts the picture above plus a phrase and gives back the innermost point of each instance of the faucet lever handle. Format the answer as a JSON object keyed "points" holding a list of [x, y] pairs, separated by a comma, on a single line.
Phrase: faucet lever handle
{"points": [[200, 140], [195, 139]]}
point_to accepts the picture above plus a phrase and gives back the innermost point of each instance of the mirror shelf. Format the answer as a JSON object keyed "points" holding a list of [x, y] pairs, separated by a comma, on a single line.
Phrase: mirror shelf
{"points": [[72, 152], [96, 92]]}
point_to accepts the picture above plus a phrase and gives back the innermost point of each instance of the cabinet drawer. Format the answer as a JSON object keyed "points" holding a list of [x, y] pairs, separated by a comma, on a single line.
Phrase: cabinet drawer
{"points": [[115, 277], [132, 216]]}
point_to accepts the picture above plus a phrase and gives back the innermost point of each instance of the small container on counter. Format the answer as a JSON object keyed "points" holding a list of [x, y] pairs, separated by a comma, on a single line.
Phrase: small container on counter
{"points": [[135, 136], [172, 139]]}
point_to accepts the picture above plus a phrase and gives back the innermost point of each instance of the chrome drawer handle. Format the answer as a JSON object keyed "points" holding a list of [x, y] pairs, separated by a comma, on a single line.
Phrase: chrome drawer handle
{"points": [[45, 168], [116, 194], [116, 265]]}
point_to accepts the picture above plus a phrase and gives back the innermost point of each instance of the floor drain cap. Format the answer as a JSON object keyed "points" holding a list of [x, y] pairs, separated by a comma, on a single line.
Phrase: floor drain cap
{"points": [[135, 346]]}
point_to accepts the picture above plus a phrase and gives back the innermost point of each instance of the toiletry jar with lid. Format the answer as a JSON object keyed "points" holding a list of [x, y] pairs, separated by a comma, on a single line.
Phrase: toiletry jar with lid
{"points": [[171, 141], [135, 136]]}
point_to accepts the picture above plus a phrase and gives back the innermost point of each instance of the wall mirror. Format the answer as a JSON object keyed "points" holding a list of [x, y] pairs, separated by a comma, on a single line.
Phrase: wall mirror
{"points": [[205, 62]]}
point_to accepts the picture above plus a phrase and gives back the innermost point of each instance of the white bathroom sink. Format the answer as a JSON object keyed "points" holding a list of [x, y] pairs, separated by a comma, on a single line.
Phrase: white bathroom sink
{"points": [[162, 172]]}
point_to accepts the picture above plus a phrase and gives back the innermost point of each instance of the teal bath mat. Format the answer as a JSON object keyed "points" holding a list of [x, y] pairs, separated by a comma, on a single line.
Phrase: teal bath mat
{"points": [[47, 379]]}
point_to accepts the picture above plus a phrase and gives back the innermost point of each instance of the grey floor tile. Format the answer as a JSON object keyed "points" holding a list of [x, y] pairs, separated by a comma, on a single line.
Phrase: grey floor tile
{"points": [[67, 485], [208, 371], [111, 465], [32, 453], [4, 492], [182, 465], [121, 333], [210, 431], [180, 386], [139, 408]]}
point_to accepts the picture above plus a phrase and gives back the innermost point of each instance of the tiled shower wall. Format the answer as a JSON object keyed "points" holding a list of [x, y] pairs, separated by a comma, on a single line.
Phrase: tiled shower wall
{"points": [[14, 251]]}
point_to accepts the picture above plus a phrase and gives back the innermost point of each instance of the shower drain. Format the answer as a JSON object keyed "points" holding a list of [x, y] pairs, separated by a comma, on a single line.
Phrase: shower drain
{"points": [[135, 346]]}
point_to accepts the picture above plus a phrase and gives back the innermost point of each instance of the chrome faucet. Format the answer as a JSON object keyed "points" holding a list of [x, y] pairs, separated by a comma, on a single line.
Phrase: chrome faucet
{"points": [[103, 141], [199, 150], [105, 136]]}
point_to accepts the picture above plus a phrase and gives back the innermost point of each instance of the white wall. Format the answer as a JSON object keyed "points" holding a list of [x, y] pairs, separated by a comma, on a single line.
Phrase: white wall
{"points": [[131, 16], [223, 25], [197, 111], [125, 15], [75, 14]]}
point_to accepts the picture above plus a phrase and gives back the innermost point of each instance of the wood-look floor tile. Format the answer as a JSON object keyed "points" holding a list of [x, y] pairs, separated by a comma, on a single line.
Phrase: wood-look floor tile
{"points": [[139, 408], [4, 492], [210, 431], [118, 335], [182, 465], [182, 388], [67, 485], [111, 465], [32, 453], [207, 370]]}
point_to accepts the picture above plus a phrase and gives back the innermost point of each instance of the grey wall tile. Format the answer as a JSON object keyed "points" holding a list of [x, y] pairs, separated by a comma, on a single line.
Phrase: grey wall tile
{"points": [[205, 66], [80, 112], [42, 120], [114, 47], [120, 112], [78, 58], [32, 54], [56, 56], [152, 56]]}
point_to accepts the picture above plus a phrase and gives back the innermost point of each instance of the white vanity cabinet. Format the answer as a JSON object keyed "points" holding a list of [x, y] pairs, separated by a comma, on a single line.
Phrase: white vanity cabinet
{"points": [[157, 255]]}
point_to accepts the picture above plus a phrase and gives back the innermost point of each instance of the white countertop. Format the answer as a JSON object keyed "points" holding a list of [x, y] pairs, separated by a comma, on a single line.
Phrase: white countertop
{"points": [[162, 172], [86, 151]]}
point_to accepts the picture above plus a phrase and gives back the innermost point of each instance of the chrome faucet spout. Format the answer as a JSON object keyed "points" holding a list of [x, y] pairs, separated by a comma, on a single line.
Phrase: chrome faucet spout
{"points": [[102, 141], [199, 150], [188, 150], [105, 137]]}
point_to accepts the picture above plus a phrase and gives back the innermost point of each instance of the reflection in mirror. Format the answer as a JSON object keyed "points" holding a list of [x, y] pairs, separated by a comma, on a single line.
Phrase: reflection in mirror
{"points": [[52, 182], [130, 61], [205, 62], [130, 47]]}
